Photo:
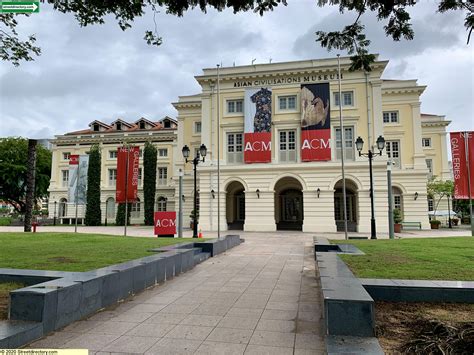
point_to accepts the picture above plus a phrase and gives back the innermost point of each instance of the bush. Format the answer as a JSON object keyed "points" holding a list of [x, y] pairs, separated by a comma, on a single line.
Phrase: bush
{"points": [[5, 221], [397, 216], [435, 221]]}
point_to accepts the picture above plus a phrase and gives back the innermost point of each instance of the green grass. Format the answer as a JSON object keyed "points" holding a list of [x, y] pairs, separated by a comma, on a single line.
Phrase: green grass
{"points": [[5, 289], [73, 252], [5, 221], [414, 259]]}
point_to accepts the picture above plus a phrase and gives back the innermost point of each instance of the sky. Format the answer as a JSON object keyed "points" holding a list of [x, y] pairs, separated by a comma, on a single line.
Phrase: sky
{"points": [[101, 73]]}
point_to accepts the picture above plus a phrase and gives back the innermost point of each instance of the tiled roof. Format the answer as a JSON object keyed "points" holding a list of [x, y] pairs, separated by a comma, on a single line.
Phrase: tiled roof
{"points": [[131, 126]]}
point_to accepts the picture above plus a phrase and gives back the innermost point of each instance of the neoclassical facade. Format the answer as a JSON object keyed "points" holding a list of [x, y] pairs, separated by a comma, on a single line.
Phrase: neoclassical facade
{"points": [[110, 136], [287, 192]]}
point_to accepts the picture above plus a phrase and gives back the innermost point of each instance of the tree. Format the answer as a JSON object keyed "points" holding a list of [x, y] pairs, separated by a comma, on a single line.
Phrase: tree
{"points": [[149, 182], [30, 183], [93, 212], [120, 218], [13, 172], [437, 189], [351, 38]]}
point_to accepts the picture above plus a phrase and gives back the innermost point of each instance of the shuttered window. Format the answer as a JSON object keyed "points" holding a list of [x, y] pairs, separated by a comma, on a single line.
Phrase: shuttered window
{"points": [[287, 145], [235, 148], [393, 152], [348, 143]]}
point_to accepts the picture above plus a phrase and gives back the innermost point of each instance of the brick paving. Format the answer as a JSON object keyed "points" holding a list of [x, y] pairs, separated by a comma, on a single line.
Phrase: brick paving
{"points": [[258, 298]]}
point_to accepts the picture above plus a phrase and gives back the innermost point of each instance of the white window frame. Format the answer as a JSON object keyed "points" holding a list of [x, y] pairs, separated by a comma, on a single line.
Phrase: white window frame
{"points": [[65, 177], [285, 99], [140, 176], [196, 125], [287, 146], [164, 151], [397, 161], [162, 176], [136, 209], [430, 204], [393, 117], [234, 155], [349, 145], [426, 140], [429, 166], [161, 204], [336, 96], [113, 154], [66, 156], [112, 177], [235, 104]]}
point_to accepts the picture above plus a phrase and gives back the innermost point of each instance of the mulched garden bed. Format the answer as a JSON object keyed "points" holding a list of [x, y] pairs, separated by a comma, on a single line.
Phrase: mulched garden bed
{"points": [[425, 328]]}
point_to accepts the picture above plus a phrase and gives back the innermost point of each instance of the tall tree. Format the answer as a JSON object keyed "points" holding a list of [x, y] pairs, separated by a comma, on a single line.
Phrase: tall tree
{"points": [[93, 211], [149, 183], [351, 38], [13, 171], [120, 217], [30, 183]]}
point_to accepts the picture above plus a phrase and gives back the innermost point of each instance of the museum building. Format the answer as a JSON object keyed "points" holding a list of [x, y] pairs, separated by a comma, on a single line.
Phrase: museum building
{"points": [[280, 143]]}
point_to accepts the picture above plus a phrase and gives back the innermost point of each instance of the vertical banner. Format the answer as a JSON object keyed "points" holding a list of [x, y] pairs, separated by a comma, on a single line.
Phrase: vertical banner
{"points": [[81, 192], [165, 223], [73, 167], [127, 180], [315, 122], [258, 119], [460, 163]]}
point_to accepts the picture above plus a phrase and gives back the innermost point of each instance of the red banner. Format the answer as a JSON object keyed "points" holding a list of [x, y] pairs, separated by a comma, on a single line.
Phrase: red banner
{"points": [[74, 160], [315, 122], [316, 145], [165, 223], [257, 147], [462, 159], [128, 181]]}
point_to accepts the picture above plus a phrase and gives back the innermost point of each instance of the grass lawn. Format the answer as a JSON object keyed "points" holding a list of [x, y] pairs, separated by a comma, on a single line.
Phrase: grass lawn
{"points": [[415, 259], [73, 252]]}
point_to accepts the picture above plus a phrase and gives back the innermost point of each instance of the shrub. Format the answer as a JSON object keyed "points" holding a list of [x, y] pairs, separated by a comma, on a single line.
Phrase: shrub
{"points": [[397, 216], [5, 221]]}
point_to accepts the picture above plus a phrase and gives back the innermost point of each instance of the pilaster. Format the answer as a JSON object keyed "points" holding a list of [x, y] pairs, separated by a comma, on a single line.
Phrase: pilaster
{"points": [[418, 155], [260, 211], [318, 211]]}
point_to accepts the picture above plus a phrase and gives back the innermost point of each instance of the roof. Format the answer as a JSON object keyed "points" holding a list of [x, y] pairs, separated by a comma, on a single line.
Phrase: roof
{"points": [[132, 126]]}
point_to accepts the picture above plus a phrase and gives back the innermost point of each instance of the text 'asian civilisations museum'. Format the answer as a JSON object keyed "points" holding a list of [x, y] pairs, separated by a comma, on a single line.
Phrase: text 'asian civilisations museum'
{"points": [[277, 130]]}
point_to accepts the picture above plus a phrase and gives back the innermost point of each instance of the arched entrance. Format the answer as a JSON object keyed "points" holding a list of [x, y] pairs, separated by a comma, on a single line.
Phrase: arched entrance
{"points": [[62, 207], [110, 206], [289, 204], [351, 203], [235, 205]]}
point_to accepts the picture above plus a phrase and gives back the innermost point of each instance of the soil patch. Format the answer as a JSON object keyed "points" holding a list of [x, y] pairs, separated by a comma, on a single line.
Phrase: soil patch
{"points": [[425, 328], [5, 289]]}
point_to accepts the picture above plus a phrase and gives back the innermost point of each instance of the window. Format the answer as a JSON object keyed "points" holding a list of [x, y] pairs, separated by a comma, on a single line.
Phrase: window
{"points": [[287, 102], [163, 152], [235, 148], [397, 198], [430, 204], [66, 156], [287, 146], [390, 117], [347, 98], [162, 176], [135, 212], [426, 142], [235, 106], [348, 143], [429, 165], [118, 125], [112, 177], [393, 152], [161, 204], [65, 177], [140, 152], [197, 127], [96, 127], [142, 124], [112, 154], [167, 124], [139, 176]]}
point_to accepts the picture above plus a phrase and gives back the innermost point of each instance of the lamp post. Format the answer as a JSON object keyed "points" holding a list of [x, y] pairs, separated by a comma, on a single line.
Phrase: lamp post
{"points": [[197, 159], [449, 213], [380, 146], [54, 215]]}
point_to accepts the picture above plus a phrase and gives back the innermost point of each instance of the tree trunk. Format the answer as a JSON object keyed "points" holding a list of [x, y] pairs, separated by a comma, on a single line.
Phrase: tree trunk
{"points": [[30, 183]]}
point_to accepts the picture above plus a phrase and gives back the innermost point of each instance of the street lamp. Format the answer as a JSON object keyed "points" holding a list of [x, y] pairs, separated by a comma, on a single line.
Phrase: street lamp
{"points": [[202, 153], [380, 146]]}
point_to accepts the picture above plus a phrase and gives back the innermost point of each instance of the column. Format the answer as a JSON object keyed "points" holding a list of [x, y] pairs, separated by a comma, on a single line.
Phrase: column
{"points": [[445, 171], [377, 123], [418, 155], [318, 212], [260, 211]]}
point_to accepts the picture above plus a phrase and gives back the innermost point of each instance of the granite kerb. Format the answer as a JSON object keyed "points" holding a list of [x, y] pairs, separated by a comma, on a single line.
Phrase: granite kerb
{"points": [[56, 299]]}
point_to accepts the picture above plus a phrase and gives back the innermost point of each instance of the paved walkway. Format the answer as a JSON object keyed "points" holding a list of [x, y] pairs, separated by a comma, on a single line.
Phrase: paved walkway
{"points": [[258, 298]]}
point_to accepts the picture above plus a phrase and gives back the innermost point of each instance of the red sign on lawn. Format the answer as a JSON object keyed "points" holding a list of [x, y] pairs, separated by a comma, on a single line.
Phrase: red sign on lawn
{"points": [[462, 158], [165, 223], [127, 181]]}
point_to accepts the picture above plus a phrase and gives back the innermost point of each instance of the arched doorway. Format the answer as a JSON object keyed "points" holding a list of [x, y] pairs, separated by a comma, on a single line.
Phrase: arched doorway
{"points": [[110, 206], [161, 203], [62, 207], [235, 205], [289, 204], [351, 203], [397, 196]]}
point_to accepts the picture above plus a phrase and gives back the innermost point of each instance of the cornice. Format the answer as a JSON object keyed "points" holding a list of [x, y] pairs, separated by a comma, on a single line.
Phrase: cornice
{"points": [[162, 136]]}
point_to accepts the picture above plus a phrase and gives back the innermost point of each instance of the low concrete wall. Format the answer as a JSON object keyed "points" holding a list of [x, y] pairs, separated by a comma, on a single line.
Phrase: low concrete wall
{"points": [[67, 297]]}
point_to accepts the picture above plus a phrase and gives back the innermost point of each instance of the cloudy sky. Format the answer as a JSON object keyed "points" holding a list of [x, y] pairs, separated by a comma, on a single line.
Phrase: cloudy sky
{"points": [[100, 72]]}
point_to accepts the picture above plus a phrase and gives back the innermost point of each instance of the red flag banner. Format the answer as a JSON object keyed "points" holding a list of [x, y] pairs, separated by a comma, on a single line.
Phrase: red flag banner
{"points": [[462, 159], [165, 223], [74, 160], [128, 181], [315, 122], [258, 120]]}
